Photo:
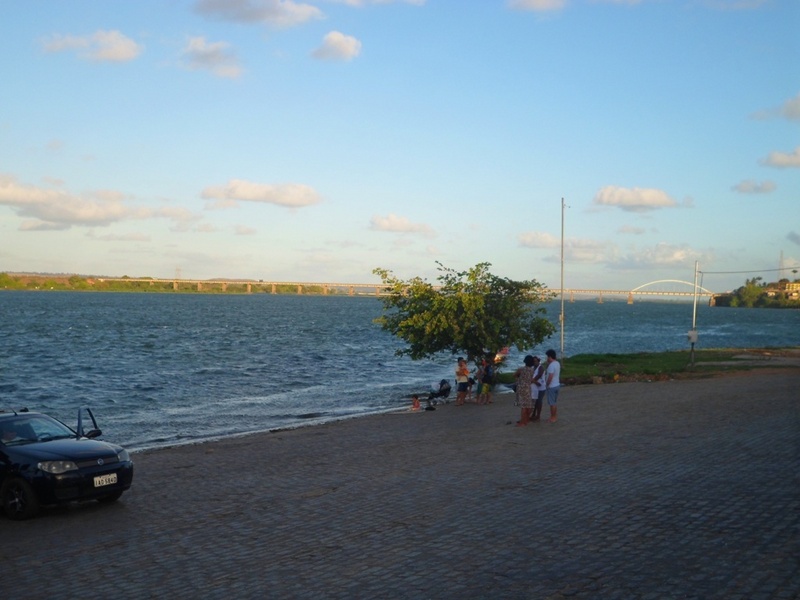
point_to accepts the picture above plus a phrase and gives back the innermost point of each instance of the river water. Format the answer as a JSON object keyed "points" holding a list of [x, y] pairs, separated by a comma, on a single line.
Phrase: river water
{"points": [[166, 369]]}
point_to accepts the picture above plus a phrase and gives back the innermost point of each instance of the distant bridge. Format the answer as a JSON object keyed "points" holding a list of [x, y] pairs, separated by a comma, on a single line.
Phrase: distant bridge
{"points": [[379, 289], [640, 291]]}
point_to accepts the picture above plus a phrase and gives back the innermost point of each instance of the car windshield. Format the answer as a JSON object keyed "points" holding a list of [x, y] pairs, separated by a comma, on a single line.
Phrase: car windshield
{"points": [[29, 429]]}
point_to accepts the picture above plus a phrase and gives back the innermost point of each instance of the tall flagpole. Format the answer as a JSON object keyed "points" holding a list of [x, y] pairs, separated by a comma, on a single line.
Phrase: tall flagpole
{"points": [[561, 316]]}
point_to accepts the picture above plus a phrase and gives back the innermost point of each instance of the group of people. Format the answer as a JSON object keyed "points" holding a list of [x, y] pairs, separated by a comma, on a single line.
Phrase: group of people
{"points": [[535, 382], [484, 378]]}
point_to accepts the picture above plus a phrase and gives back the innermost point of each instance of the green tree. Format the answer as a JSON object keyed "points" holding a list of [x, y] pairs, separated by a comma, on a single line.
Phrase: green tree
{"points": [[471, 312], [749, 294]]}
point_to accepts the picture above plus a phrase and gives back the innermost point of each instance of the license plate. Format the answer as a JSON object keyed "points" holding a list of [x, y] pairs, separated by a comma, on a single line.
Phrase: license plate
{"points": [[102, 480]]}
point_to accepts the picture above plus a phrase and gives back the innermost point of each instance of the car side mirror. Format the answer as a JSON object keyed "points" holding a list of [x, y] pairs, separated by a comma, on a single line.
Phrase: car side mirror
{"points": [[93, 433]]}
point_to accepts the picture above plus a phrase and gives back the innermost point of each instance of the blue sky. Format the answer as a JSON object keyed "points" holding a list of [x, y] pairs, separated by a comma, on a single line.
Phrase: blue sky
{"points": [[315, 141]]}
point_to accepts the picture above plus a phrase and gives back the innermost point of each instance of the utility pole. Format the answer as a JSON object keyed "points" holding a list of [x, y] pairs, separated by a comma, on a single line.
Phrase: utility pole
{"points": [[561, 316], [693, 330]]}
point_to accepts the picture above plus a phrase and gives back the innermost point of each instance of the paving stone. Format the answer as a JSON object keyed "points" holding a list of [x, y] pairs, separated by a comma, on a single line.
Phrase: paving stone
{"points": [[679, 489]]}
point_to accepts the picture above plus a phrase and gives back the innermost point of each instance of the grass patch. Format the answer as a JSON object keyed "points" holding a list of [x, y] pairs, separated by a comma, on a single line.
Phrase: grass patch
{"points": [[657, 366]]}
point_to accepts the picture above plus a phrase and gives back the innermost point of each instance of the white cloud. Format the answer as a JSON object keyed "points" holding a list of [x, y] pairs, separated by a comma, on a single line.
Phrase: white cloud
{"points": [[661, 256], [42, 226], [602, 252], [338, 46], [629, 229], [396, 224], [368, 2], [537, 5], [276, 13], [292, 195], [177, 214], [633, 199], [214, 57], [736, 4], [54, 146], [538, 239], [127, 237], [57, 209], [751, 187], [782, 160], [790, 110], [588, 251], [101, 46], [575, 250], [244, 230]]}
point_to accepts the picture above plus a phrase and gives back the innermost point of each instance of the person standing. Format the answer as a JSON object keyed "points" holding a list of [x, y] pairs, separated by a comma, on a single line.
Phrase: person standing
{"points": [[462, 381], [553, 381], [538, 388], [478, 378], [524, 377], [487, 380]]}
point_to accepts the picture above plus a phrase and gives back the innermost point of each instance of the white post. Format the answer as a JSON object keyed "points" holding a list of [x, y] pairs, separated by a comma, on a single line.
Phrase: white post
{"points": [[561, 316]]}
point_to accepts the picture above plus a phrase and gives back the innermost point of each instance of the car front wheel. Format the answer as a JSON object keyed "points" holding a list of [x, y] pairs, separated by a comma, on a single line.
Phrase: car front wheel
{"points": [[19, 499]]}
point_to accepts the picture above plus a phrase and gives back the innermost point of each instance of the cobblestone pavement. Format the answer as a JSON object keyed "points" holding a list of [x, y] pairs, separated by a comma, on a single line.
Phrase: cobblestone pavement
{"points": [[679, 489]]}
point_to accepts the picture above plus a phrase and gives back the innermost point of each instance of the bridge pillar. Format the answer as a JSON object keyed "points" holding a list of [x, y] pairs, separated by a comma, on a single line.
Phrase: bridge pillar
{"points": [[572, 296], [224, 286], [351, 291], [274, 288], [630, 297], [249, 287], [600, 298], [174, 286], [299, 289], [324, 290], [199, 286]]}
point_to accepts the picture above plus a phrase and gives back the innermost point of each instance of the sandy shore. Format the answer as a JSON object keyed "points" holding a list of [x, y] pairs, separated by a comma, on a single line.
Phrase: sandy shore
{"points": [[678, 489]]}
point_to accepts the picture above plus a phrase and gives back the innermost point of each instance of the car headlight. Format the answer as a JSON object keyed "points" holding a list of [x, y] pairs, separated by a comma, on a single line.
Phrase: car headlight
{"points": [[123, 456], [57, 467]]}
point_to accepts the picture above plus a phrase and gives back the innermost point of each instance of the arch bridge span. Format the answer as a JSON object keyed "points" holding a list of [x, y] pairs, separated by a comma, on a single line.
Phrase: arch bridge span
{"points": [[704, 291], [643, 291]]}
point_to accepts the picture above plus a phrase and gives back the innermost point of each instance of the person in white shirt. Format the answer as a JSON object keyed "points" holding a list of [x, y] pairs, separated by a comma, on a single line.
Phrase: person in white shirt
{"points": [[553, 382], [538, 388]]}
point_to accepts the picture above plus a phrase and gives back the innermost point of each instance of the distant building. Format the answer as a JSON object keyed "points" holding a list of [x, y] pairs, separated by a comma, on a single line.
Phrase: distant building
{"points": [[791, 289], [790, 286]]}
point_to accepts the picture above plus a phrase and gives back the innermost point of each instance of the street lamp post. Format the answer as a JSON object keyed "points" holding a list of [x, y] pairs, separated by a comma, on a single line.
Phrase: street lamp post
{"points": [[693, 331], [561, 316]]}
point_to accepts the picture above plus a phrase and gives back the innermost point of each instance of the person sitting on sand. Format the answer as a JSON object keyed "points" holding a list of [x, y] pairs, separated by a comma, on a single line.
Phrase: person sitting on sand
{"points": [[414, 402]]}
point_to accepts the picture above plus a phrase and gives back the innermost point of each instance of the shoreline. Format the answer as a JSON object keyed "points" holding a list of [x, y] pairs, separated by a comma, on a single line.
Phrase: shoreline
{"points": [[789, 359]]}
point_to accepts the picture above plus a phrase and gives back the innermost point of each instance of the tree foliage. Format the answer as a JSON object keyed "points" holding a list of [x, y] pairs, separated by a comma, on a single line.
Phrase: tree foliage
{"points": [[750, 293], [472, 312], [755, 293]]}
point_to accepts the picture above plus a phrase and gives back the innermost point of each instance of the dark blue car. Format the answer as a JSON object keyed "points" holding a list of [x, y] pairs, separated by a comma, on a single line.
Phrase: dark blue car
{"points": [[43, 462]]}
